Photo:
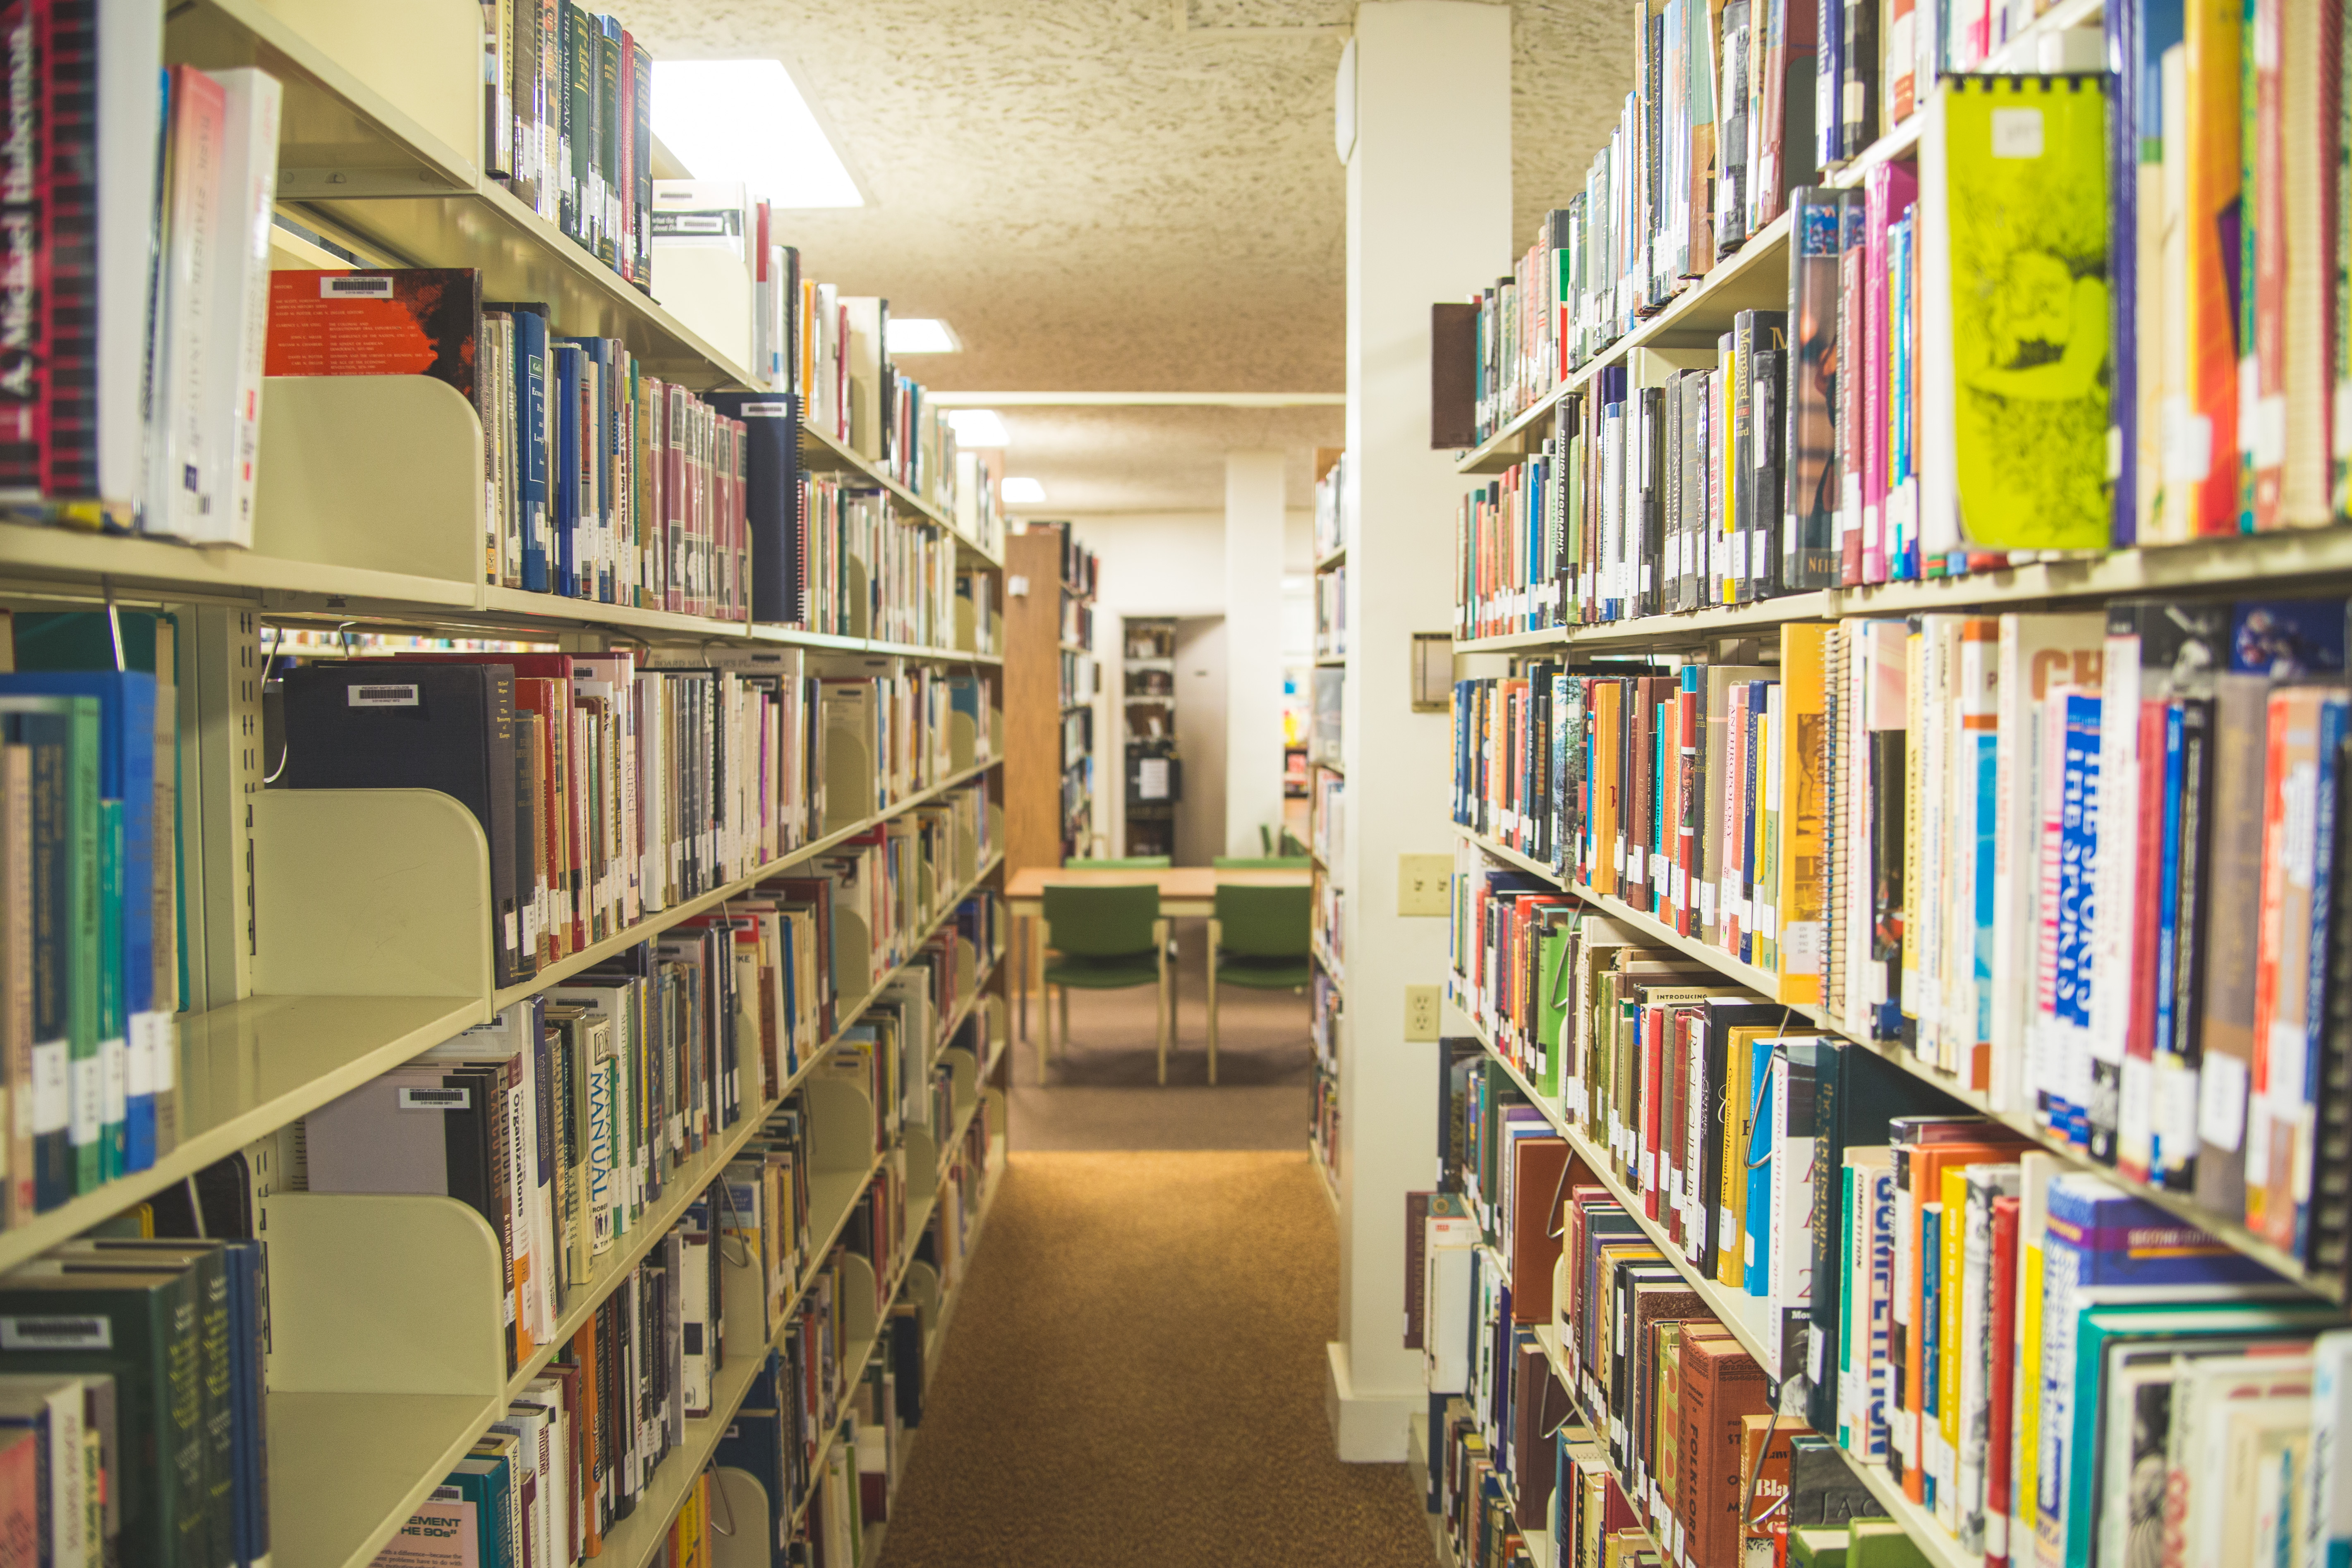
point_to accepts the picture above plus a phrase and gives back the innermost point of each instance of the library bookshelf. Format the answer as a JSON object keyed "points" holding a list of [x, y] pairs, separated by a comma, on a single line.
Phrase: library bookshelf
{"points": [[2290, 563], [333, 935]]}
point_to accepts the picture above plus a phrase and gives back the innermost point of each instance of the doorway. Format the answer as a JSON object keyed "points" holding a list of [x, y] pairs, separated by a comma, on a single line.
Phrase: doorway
{"points": [[1201, 738]]}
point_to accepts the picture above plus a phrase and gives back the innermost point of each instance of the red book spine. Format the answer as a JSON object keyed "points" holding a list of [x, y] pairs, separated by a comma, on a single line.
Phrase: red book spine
{"points": [[1652, 1092], [2139, 1025], [2001, 1382]]}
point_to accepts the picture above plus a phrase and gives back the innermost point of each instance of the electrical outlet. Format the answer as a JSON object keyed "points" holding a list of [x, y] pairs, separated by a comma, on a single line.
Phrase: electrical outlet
{"points": [[1424, 886], [1420, 1012]]}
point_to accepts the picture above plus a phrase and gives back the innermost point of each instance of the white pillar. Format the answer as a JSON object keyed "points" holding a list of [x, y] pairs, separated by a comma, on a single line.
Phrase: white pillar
{"points": [[1254, 503], [1429, 215]]}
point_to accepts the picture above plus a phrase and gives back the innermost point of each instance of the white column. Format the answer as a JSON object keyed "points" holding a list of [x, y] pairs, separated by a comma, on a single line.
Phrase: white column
{"points": [[1254, 503], [1428, 209]]}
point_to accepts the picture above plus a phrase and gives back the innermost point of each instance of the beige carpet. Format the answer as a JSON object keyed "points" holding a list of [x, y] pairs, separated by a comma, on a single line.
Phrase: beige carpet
{"points": [[1134, 1376]]}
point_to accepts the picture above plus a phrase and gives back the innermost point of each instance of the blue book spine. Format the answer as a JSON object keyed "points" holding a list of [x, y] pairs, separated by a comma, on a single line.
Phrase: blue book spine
{"points": [[565, 455], [2077, 862], [530, 424], [1988, 786], [2332, 718], [1931, 1310], [2168, 891], [1755, 1257], [1903, 547]]}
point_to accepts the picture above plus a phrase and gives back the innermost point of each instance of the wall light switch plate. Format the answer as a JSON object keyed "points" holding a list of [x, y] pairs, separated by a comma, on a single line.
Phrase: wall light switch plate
{"points": [[1420, 1012], [1424, 886]]}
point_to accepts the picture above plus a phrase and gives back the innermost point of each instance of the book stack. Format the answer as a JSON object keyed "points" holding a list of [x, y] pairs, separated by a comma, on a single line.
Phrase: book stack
{"points": [[607, 790], [89, 848], [1330, 498], [571, 1457], [568, 125], [1331, 613], [602, 481], [886, 580], [137, 287], [1898, 823], [133, 1416]]}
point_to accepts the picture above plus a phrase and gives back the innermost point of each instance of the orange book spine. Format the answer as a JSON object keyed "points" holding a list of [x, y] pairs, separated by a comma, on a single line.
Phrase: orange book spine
{"points": [[2214, 155]]}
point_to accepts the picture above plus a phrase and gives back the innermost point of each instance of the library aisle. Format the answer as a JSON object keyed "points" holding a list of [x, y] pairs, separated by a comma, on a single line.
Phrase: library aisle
{"points": [[1136, 1377], [1096, 1099]]}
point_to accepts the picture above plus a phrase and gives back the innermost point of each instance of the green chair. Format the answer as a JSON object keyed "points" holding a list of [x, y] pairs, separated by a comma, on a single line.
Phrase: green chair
{"points": [[1258, 939], [1263, 863], [1129, 863], [1105, 939]]}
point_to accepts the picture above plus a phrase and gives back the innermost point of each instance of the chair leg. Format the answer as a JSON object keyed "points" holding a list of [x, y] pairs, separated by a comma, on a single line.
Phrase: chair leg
{"points": [[1216, 935], [1066, 1023], [1045, 1038], [1166, 995]]}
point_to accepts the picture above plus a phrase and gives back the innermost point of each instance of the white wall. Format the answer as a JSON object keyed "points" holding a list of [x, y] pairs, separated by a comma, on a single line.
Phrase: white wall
{"points": [[1172, 564], [1429, 212], [1254, 551]]}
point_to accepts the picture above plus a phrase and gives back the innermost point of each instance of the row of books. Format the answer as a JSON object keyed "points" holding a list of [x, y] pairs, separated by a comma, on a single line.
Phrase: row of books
{"points": [[1328, 815], [568, 125], [1687, 477], [564, 1120], [873, 575], [1924, 1278], [90, 950], [610, 789], [1838, 818], [132, 1415], [1331, 613], [1330, 521], [1732, 108], [824, 1436], [139, 282]]}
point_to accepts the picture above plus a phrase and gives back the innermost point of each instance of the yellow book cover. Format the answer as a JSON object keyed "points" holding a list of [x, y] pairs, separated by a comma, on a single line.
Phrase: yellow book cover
{"points": [[1731, 1203], [1607, 714], [2034, 1173], [685, 1532], [1803, 898], [2012, 181]]}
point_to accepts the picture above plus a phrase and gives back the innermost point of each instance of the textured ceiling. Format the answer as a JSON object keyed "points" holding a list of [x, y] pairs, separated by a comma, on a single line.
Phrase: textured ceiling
{"points": [[1094, 200]]}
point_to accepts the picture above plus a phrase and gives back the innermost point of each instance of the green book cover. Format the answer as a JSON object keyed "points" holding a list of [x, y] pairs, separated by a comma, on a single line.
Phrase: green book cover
{"points": [[1554, 973], [1819, 1545], [114, 1016], [579, 127], [1878, 1543], [145, 1330], [63, 735], [207, 1262], [2019, 227], [609, 121]]}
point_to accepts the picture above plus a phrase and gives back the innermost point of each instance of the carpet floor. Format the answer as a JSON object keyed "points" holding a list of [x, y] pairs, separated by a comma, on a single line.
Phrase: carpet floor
{"points": [[1134, 1376]]}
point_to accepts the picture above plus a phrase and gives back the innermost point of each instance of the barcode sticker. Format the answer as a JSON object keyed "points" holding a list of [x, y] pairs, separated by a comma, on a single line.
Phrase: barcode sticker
{"points": [[382, 696], [334, 286], [57, 1333], [436, 1099]]}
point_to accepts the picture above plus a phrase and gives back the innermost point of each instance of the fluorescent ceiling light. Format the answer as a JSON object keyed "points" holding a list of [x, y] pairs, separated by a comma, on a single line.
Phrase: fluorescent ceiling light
{"points": [[921, 335], [745, 119], [1018, 491], [978, 428]]}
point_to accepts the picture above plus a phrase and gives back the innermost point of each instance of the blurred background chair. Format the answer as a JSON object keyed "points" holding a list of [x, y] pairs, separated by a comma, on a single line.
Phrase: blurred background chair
{"points": [[1106, 939], [1258, 938]]}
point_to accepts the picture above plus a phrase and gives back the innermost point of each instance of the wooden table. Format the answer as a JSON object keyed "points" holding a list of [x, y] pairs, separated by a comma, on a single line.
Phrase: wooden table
{"points": [[1185, 891]]}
